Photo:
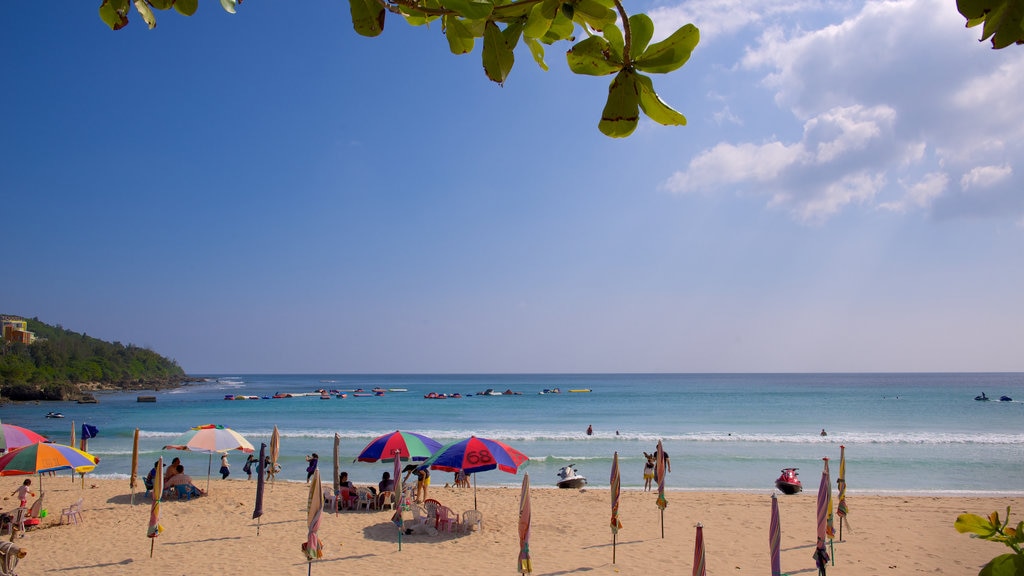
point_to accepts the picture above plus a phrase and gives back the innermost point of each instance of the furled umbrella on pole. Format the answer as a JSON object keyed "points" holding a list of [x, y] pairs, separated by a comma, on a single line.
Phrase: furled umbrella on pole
{"points": [[616, 490], [210, 439], [133, 480], [525, 564], [699, 568], [313, 547], [474, 455], [73, 440], [154, 529], [775, 538], [275, 451], [336, 469], [841, 508], [40, 458], [397, 491], [659, 472], [821, 556], [88, 431], [257, 512]]}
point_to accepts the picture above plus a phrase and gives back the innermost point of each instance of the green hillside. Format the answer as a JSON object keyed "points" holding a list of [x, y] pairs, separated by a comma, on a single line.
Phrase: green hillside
{"points": [[59, 360]]}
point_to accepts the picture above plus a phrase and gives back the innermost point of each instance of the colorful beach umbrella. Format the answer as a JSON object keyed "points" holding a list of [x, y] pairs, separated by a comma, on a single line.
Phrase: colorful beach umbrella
{"points": [[410, 446], [257, 512], [699, 568], [474, 455], [775, 538], [313, 547], [155, 528], [616, 490], [821, 556], [210, 438], [525, 565], [275, 451], [841, 508], [12, 437], [397, 516], [659, 472], [39, 458], [133, 480]]}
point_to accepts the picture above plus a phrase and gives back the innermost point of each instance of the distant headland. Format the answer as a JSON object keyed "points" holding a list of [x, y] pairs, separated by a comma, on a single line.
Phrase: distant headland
{"points": [[39, 361]]}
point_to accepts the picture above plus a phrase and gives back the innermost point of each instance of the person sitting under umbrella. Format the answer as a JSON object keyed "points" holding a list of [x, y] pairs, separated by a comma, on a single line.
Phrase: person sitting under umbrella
{"points": [[182, 479]]}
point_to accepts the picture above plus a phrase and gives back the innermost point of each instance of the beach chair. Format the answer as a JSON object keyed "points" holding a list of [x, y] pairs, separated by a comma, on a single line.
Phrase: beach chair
{"points": [[386, 500], [366, 500], [472, 520], [447, 519], [430, 506], [330, 498], [15, 522], [73, 513]]}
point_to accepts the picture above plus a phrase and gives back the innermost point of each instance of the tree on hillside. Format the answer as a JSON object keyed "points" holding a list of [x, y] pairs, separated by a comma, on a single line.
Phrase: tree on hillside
{"points": [[615, 43]]}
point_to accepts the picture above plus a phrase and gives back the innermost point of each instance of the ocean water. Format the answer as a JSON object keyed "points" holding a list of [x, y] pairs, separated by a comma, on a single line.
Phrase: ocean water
{"points": [[903, 433]]}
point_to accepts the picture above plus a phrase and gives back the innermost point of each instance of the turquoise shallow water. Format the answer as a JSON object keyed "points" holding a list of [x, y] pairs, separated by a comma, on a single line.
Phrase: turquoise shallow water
{"points": [[905, 433]]}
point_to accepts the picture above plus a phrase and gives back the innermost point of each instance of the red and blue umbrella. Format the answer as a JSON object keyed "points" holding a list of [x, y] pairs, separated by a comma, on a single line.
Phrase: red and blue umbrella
{"points": [[12, 437], [410, 446], [474, 455]]}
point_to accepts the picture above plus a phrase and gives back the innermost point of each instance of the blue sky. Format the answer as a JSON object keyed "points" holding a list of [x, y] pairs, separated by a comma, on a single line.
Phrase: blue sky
{"points": [[269, 192]]}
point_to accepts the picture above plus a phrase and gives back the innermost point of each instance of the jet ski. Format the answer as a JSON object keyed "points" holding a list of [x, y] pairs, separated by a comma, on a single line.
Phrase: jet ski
{"points": [[788, 483], [1005, 399], [570, 478], [54, 415], [981, 398]]}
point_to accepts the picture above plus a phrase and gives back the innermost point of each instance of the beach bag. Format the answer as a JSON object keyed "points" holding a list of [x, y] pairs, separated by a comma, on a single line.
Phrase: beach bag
{"points": [[311, 468]]}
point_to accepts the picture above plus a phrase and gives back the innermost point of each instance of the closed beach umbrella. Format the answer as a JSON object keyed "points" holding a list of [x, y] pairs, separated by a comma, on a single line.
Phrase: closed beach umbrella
{"points": [[275, 451], [841, 508], [313, 547], [336, 485], [397, 516], [155, 528], [659, 471], [410, 446], [525, 564], [210, 438], [698, 552], [88, 431], [775, 538], [474, 455], [257, 511], [73, 441], [12, 437], [821, 556], [616, 489], [39, 458], [133, 480]]}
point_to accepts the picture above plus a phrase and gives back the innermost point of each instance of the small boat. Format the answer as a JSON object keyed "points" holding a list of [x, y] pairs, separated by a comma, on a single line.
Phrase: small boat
{"points": [[550, 391], [54, 415], [1005, 399], [341, 395], [379, 389], [570, 478], [398, 389], [982, 398], [509, 392], [324, 395], [488, 392], [361, 394], [788, 483], [282, 395], [579, 390]]}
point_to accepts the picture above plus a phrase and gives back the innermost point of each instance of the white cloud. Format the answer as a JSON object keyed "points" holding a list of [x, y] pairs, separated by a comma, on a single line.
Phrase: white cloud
{"points": [[985, 176]]}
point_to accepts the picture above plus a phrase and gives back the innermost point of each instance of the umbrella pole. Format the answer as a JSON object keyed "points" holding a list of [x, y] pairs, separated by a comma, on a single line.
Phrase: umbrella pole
{"points": [[832, 551], [663, 523], [613, 548], [840, 528], [474, 491], [151, 543], [209, 467]]}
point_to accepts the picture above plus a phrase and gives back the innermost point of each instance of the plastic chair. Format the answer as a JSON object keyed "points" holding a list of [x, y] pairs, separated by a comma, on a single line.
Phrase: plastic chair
{"points": [[16, 522], [73, 513], [472, 520], [330, 498], [366, 499], [386, 500], [447, 519], [430, 506]]}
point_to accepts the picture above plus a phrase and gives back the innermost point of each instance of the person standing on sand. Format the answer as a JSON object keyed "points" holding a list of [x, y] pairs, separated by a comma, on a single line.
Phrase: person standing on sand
{"points": [[313, 459], [24, 491], [225, 467], [648, 471], [247, 467]]}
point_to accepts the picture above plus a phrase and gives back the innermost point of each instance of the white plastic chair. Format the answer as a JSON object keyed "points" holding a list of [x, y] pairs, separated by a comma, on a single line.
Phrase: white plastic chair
{"points": [[472, 520], [73, 513], [17, 522], [366, 499]]}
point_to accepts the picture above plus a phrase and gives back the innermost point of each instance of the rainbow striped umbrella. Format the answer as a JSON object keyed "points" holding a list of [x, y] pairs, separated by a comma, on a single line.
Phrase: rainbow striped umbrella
{"points": [[841, 508], [698, 553], [409, 445], [12, 437], [474, 455], [155, 528], [210, 438], [44, 457], [525, 564], [313, 546], [659, 472], [616, 489], [775, 538]]}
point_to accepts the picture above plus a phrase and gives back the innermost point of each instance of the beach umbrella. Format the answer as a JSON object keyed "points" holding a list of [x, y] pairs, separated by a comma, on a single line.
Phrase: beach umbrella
{"points": [[336, 485], [821, 556], [313, 547], [616, 489], [841, 508], [155, 528], [698, 553], [12, 437], [133, 480], [474, 455], [397, 516], [410, 446], [525, 564], [257, 512], [45, 457], [210, 438], [275, 451], [775, 538], [659, 471]]}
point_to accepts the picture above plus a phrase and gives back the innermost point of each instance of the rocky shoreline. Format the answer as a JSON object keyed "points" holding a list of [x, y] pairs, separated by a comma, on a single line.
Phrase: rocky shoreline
{"points": [[84, 391]]}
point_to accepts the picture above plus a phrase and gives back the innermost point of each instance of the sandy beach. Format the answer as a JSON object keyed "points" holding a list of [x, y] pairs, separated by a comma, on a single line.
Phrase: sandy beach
{"points": [[570, 535]]}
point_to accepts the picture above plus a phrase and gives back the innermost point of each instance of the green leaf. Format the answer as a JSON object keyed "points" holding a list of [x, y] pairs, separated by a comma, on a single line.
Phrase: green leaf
{"points": [[539, 20], [146, 13], [622, 111], [653, 106], [161, 4], [228, 6], [1004, 565], [460, 39], [367, 17], [537, 50], [1003, 20], [641, 29], [186, 7], [470, 9], [497, 55], [670, 53], [974, 524], [561, 29], [112, 17], [511, 11], [593, 57], [513, 32], [594, 14]]}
